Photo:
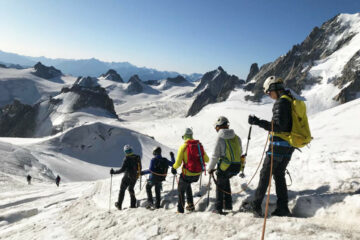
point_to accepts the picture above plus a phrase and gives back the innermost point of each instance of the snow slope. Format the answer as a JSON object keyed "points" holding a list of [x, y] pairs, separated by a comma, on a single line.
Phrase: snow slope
{"points": [[28, 88], [324, 195]]}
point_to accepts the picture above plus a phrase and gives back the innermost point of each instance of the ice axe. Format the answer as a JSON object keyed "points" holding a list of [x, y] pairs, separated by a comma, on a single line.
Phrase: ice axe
{"points": [[243, 157]]}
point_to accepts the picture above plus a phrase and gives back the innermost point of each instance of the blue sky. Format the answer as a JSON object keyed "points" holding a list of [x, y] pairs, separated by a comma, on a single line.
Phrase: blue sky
{"points": [[184, 35]]}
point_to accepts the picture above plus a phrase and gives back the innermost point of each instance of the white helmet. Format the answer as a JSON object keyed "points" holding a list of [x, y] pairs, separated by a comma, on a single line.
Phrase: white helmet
{"points": [[221, 121], [273, 83], [128, 148]]}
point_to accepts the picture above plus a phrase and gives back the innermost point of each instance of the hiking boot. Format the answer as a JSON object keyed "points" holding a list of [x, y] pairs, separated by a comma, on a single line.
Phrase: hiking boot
{"points": [[251, 207], [218, 212], [190, 207], [149, 205], [117, 206], [230, 208], [281, 212]]}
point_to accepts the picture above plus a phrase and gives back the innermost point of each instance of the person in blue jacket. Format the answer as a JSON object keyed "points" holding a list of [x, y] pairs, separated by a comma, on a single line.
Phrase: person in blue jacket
{"points": [[158, 170]]}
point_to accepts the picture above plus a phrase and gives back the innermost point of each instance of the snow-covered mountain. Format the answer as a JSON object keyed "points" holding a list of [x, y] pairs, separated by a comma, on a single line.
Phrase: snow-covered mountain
{"points": [[82, 128], [324, 67], [93, 67]]}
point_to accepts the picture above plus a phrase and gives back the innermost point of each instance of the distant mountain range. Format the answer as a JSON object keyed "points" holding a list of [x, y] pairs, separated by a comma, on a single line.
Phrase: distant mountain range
{"points": [[93, 67]]}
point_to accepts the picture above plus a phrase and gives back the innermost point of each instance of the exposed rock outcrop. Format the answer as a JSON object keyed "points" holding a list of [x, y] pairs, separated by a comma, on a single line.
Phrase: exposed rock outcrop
{"points": [[112, 75], [294, 66], [46, 72], [135, 85], [254, 69], [17, 120], [215, 86]]}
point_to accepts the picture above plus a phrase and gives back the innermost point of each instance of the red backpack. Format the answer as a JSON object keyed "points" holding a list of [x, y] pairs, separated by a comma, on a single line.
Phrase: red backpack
{"points": [[195, 156]]}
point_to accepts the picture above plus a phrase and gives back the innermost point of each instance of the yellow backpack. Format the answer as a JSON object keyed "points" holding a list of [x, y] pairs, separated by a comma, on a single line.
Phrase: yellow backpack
{"points": [[300, 134]]}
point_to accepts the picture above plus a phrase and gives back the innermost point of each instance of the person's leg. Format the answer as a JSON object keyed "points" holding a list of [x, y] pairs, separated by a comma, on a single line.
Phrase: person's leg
{"points": [[220, 187], [149, 192], [132, 194], [181, 194], [228, 199], [263, 183], [123, 186], [158, 194], [281, 187]]}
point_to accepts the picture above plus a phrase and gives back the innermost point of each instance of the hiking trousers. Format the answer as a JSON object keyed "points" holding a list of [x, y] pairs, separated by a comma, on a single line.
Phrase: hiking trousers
{"points": [[127, 183], [185, 186], [279, 166], [149, 186], [222, 198]]}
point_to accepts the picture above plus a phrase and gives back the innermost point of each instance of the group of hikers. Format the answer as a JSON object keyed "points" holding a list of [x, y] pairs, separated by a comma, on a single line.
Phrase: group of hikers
{"points": [[57, 180], [227, 159]]}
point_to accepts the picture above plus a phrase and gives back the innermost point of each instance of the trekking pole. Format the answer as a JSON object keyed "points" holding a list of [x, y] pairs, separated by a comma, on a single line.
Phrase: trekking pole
{"points": [[199, 194], [110, 192], [208, 196], [247, 147], [173, 182]]}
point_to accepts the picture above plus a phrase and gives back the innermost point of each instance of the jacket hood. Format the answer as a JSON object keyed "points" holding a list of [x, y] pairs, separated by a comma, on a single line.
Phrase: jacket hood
{"points": [[226, 133]]}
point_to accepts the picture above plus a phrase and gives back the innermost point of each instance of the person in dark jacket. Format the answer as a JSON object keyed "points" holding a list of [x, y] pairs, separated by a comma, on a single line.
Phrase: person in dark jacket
{"points": [[28, 178], [157, 170], [132, 168], [282, 150], [57, 180]]}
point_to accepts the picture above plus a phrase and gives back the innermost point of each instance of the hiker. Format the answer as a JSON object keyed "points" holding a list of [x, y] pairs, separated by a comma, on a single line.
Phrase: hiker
{"points": [[158, 169], [192, 157], [282, 150], [227, 157], [28, 178], [57, 180], [132, 168]]}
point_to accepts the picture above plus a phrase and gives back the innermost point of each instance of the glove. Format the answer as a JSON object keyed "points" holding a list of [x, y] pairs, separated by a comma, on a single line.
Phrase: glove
{"points": [[173, 171], [211, 171], [171, 154], [141, 173], [112, 171], [253, 120]]}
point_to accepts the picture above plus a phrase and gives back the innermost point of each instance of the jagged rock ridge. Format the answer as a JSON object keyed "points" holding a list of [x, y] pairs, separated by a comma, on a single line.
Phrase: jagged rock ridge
{"points": [[215, 86]]}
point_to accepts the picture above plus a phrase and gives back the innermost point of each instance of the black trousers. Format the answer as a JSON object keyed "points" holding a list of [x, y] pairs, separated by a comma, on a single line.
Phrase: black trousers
{"points": [[130, 184], [279, 166], [223, 185], [185, 186], [149, 186]]}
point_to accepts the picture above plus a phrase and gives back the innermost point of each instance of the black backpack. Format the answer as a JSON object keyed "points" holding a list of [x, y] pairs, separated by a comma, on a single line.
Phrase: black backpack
{"points": [[160, 168]]}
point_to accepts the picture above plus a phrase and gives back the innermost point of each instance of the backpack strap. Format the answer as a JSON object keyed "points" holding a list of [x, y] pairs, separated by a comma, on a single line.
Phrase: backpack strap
{"points": [[201, 158]]}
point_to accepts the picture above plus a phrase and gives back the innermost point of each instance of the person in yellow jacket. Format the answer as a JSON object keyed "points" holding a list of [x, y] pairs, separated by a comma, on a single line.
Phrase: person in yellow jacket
{"points": [[193, 164]]}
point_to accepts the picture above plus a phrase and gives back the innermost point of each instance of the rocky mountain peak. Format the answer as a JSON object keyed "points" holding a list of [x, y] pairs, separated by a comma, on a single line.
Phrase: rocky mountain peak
{"points": [[135, 85], [294, 67], [87, 82], [112, 75], [177, 80], [46, 72], [254, 69], [215, 86]]}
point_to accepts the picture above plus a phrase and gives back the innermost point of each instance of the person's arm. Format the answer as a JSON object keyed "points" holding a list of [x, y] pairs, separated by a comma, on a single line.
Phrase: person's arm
{"points": [[123, 167], [180, 157], [216, 154]]}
